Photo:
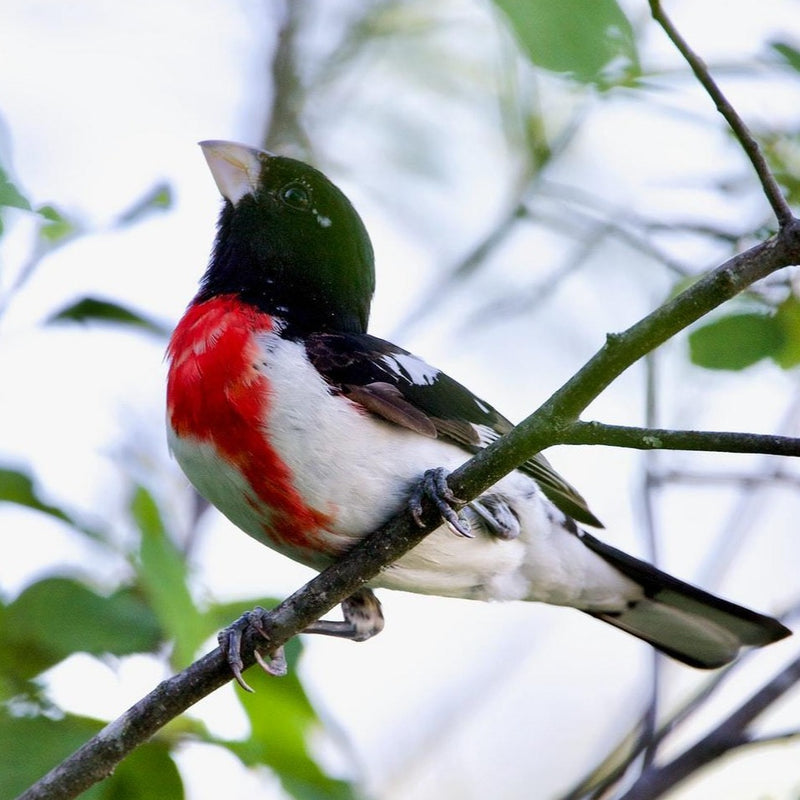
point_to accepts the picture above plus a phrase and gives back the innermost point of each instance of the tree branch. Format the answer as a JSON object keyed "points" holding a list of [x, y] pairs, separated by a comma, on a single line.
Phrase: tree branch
{"points": [[782, 210], [560, 411], [580, 432], [729, 734]]}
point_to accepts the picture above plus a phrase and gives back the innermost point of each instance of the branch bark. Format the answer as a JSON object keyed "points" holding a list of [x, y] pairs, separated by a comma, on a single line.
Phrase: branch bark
{"points": [[580, 432]]}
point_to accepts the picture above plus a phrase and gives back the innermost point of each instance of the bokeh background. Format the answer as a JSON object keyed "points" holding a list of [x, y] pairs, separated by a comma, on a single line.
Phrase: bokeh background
{"points": [[534, 174]]}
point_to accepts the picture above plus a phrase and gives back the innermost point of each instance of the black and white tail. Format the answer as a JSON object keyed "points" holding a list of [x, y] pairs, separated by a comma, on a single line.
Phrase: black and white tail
{"points": [[679, 619]]}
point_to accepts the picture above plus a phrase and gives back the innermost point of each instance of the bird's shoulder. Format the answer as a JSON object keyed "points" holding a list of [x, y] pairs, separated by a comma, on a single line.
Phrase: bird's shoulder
{"points": [[404, 389]]}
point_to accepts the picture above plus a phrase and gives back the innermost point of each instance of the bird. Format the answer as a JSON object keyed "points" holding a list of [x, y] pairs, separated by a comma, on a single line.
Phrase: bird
{"points": [[308, 433]]}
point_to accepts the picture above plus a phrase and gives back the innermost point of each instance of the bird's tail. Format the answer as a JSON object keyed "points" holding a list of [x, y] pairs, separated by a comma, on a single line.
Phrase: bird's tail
{"points": [[679, 619]]}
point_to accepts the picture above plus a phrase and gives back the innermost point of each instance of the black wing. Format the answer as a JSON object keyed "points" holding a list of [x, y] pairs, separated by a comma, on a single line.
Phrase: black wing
{"points": [[400, 387]]}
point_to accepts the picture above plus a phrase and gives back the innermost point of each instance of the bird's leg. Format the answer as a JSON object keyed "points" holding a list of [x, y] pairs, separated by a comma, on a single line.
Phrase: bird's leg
{"points": [[363, 618], [434, 486]]}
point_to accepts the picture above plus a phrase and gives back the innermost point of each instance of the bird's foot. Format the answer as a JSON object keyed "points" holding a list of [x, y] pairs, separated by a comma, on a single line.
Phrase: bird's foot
{"points": [[434, 486], [363, 618], [230, 641], [497, 516]]}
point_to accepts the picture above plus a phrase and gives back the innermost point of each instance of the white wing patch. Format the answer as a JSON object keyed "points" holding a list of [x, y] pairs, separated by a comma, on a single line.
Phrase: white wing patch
{"points": [[411, 368], [486, 435]]}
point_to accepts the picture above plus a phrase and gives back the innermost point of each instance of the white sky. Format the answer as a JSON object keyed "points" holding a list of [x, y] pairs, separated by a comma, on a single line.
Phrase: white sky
{"points": [[101, 101]]}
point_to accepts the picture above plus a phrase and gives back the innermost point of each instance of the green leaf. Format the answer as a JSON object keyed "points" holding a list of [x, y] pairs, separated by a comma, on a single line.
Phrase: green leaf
{"points": [[163, 576], [92, 309], [788, 53], [147, 773], [787, 318], [591, 41], [159, 198], [735, 341], [18, 487], [282, 722], [55, 617], [31, 746], [56, 226], [9, 194]]}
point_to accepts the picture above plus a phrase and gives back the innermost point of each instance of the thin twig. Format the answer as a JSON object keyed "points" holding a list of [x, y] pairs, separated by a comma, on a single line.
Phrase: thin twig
{"points": [[743, 480], [731, 733], [782, 210], [580, 432], [650, 718]]}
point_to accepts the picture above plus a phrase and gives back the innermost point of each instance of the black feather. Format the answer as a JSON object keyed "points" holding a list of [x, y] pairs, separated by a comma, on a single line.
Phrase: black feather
{"points": [[427, 401]]}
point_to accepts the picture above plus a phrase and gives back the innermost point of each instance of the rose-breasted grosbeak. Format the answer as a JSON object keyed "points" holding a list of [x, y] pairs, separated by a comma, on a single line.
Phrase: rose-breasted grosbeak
{"points": [[308, 433]]}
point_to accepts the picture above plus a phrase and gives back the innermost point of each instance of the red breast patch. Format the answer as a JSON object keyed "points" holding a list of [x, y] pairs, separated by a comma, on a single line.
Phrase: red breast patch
{"points": [[217, 394]]}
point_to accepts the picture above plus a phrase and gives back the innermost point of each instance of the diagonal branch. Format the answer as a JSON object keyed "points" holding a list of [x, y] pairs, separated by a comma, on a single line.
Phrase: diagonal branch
{"points": [[771, 189]]}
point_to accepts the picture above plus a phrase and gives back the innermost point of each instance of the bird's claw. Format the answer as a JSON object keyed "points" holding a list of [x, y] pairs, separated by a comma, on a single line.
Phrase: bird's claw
{"points": [[230, 641], [276, 666], [434, 486]]}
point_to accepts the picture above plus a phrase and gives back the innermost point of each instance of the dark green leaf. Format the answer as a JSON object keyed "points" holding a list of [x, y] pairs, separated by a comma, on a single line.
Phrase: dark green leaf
{"points": [[10, 195], [789, 54], [92, 309], [591, 41], [56, 617], [31, 746], [163, 576], [159, 198], [735, 341]]}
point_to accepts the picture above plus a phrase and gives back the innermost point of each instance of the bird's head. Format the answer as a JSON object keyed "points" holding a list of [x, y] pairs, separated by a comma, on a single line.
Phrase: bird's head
{"points": [[288, 241]]}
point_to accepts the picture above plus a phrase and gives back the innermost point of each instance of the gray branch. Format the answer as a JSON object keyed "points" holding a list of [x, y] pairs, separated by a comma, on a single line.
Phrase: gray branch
{"points": [[662, 439]]}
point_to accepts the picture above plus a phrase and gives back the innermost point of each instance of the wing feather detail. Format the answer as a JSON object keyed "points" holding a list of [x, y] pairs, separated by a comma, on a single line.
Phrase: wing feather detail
{"points": [[401, 388]]}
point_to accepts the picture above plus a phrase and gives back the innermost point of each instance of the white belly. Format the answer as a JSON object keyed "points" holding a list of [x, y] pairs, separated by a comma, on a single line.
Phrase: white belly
{"points": [[360, 470]]}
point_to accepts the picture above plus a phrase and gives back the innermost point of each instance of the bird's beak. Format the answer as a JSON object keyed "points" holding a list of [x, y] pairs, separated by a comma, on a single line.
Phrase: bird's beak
{"points": [[236, 167]]}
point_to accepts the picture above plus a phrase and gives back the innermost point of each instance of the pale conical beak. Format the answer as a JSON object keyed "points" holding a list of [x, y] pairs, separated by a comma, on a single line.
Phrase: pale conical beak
{"points": [[236, 167]]}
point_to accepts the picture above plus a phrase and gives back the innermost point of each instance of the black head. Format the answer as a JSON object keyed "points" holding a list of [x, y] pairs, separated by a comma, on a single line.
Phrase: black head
{"points": [[288, 241]]}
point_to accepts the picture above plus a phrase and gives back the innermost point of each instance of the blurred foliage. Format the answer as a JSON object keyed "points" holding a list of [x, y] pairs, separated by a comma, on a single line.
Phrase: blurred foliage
{"points": [[590, 51], [93, 309], [31, 745], [152, 611], [591, 42], [10, 196]]}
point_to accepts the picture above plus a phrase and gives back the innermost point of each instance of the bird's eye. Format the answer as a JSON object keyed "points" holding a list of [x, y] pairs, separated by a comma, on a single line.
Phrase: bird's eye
{"points": [[295, 196]]}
